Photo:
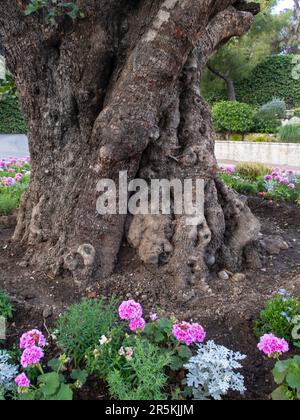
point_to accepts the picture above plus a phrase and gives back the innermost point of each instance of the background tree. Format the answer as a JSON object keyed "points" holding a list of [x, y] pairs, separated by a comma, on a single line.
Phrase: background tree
{"points": [[269, 34], [113, 85]]}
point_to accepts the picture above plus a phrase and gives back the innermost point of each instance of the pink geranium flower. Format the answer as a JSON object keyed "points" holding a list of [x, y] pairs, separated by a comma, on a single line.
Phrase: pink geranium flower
{"points": [[32, 338], [130, 309], [273, 346], [31, 356], [189, 333], [137, 324], [22, 381]]}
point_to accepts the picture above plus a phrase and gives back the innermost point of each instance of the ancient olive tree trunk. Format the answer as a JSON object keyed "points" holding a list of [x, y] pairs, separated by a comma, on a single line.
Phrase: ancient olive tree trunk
{"points": [[119, 90]]}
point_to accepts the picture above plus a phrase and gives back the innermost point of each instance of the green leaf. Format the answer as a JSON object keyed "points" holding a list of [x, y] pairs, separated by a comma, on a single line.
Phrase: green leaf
{"points": [[279, 372], [80, 375], [51, 383], [64, 393], [293, 379], [55, 364], [165, 324], [185, 352], [176, 363], [281, 394]]}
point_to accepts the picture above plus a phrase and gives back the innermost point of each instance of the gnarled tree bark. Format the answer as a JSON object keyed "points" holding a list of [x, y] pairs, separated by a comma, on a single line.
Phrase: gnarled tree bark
{"points": [[120, 90]]}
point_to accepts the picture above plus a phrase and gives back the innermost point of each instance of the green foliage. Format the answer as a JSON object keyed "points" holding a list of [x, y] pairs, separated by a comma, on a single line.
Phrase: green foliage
{"points": [[252, 171], [6, 309], [10, 197], [101, 359], [277, 318], [54, 8], [11, 118], [52, 385], [268, 117], [235, 137], [260, 138], [241, 55], [266, 122], [239, 185], [297, 112], [143, 377], [7, 87], [82, 325], [271, 77], [232, 116], [290, 133], [276, 107], [287, 375]]}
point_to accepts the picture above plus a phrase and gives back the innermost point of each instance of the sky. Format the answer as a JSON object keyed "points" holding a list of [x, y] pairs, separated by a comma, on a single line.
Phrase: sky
{"points": [[284, 4]]}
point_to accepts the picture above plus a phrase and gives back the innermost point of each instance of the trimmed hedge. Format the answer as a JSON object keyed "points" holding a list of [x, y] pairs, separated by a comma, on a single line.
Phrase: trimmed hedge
{"points": [[11, 118], [232, 116], [271, 78]]}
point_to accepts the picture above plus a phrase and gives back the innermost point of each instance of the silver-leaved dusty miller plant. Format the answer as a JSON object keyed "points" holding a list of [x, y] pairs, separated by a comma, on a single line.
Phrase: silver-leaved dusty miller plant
{"points": [[211, 373], [8, 372]]}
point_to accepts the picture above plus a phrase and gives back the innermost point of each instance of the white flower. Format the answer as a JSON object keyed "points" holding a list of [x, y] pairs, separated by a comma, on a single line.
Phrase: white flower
{"points": [[104, 340]]}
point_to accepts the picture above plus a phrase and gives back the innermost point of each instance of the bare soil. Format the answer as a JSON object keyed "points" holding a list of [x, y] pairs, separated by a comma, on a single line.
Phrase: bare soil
{"points": [[228, 311]]}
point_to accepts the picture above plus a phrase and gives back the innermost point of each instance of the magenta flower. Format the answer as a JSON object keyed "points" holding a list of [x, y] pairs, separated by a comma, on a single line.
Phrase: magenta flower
{"points": [[198, 333], [130, 309], [189, 333], [32, 338], [278, 178], [292, 186], [18, 177], [273, 346], [22, 381], [285, 181], [31, 356], [137, 324], [268, 178]]}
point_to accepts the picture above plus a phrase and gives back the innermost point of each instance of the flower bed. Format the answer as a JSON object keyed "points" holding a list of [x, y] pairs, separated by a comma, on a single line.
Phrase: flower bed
{"points": [[275, 184], [159, 359], [14, 179]]}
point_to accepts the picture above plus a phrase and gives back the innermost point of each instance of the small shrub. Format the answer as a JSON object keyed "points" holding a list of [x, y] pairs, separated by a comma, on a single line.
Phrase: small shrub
{"points": [[212, 372], [6, 309], [8, 203], [233, 116], [290, 133], [236, 137], [266, 122], [80, 328], [260, 138], [239, 184], [287, 375], [252, 171], [143, 376], [297, 112], [277, 318], [276, 107]]}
